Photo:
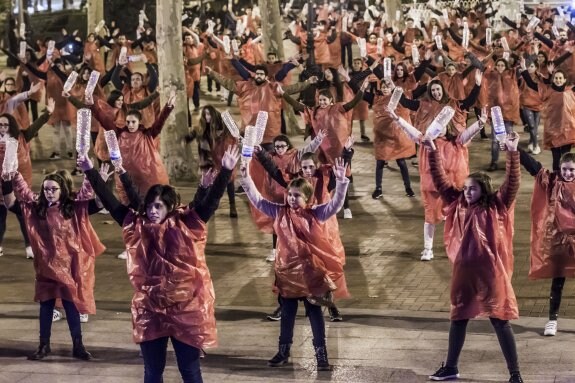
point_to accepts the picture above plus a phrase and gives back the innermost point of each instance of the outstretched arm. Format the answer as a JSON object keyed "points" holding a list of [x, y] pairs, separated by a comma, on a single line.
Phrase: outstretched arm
{"points": [[510, 187], [529, 163], [268, 208], [325, 211], [446, 190]]}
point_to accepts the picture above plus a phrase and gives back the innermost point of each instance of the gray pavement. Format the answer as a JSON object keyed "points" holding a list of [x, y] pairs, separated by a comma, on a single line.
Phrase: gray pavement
{"points": [[395, 325]]}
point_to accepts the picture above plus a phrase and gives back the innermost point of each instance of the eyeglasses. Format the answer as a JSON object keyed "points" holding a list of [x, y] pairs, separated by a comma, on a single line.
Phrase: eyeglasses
{"points": [[51, 190], [280, 146]]}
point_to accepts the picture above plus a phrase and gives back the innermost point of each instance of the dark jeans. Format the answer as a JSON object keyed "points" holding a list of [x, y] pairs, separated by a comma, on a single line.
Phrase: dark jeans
{"points": [[32, 105], [346, 50], [314, 314], [557, 153], [379, 165], [154, 353], [3, 216], [532, 119], [72, 317], [505, 336], [555, 297], [210, 82], [196, 95], [495, 143]]}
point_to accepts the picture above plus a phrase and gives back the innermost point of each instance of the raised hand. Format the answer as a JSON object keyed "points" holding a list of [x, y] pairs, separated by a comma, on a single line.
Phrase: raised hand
{"points": [[428, 142], [522, 63], [478, 77], [392, 113], [105, 171], [313, 80], [50, 105], [364, 85], [84, 163], [512, 141], [35, 87], [208, 178], [89, 99], [483, 116], [339, 169], [244, 169], [321, 134], [551, 67], [349, 142], [231, 157]]}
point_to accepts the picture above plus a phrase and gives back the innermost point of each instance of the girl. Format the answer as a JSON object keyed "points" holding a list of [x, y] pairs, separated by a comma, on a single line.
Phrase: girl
{"points": [[530, 101], [300, 269], [65, 245], [479, 243], [173, 292], [552, 245]]}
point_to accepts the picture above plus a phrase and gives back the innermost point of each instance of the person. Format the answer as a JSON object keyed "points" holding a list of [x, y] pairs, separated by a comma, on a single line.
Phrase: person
{"points": [[530, 101], [479, 243], [173, 291], [300, 270], [65, 245], [552, 247]]}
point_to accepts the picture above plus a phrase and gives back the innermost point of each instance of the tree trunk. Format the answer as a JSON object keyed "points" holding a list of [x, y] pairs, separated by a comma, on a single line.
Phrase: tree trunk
{"points": [[391, 7], [272, 27], [95, 13], [177, 159]]}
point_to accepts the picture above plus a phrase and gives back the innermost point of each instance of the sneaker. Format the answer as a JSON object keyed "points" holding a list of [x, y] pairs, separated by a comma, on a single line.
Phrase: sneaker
{"points": [[385, 164], [55, 156], [56, 315], [83, 318], [1, 251], [364, 138], [70, 155], [550, 328], [240, 191], [103, 211], [272, 256], [492, 167], [409, 192], [29, 252], [377, 193], [427, 255], [530, 148], [276, 315], [414, 162], [445, 373], [536, 150], [515, 378], [334, 314], [347, 214], [123, 255]]}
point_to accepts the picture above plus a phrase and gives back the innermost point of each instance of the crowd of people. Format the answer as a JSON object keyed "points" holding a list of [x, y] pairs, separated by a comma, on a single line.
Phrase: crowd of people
{"points": [[429, 80]]}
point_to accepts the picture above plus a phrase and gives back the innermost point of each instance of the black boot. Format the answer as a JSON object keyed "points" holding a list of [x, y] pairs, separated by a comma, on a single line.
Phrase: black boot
{"points": [[281, 357], [233, 211], [42, 351], [515, 378], [321, 357], [79, 351]]}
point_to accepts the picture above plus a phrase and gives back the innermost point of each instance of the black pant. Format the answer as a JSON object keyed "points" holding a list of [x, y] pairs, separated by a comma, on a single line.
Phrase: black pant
{"points": [[555, 297], [3, 216], [154, 353], [72, 317], [346, 50], [557, 153], [196, 95], [32, 105], [379, 165], [314, 314], [505, 336], [210, 82]]}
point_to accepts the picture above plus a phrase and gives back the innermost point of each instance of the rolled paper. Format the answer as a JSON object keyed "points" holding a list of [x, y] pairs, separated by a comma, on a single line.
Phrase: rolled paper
{"points": [[134, 58], [498, 123], [440, 122], [141, 19], [231, 124], [100, 26], [113, 147], [195, 23], [387, 67], [398, 15], [50, 48], [504, 44], [465, 42], [362, 47], [226, 40], [415, 54], [379, 46], [261, 123], [235, 47], [10, 163], [438, 42], [23, 47], [92, 83], [445, 15], [506, 56], [22, 30], [123, 54], [83, 125], [554, 29], [533, 23], [70, 81], [434, 31], [395, 97], [488, 35]]}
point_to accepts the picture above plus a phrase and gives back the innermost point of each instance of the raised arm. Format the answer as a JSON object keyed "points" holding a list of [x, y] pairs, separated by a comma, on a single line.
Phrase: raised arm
{"points": [[325, 211], [510, 187], [446, 190], [296, 105], [267, 207], [529, 163], [158, 125], [227, 83], [142, 104], [242, 71], [22, 191], [313, 145], [105, 119], [39, 122], [271, 168], [152, 77], [356, 99]]}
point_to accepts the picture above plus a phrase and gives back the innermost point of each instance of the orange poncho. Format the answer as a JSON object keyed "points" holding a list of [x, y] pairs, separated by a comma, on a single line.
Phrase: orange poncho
{"points": [[389, 142], [173, 291], [64, 251], [557, 114], [334, 120]]}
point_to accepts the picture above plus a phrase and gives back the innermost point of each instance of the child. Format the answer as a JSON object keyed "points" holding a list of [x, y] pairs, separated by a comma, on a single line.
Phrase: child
{"points": [[479, 243], [300, 270], [552, 245]]}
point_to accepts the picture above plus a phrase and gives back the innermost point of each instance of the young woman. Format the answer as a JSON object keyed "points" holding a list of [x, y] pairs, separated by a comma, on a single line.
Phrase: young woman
{"points": [[552, 230], [479, 244], [300, 267], [173, 291]]}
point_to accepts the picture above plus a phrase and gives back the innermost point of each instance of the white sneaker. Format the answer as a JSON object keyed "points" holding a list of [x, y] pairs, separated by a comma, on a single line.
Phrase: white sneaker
{"points": [[103, 211], [530, 148], [83, 318], [550, 328], [536, 150], [123, 255], [272, 256], [347, 214], [29, 252], [427, 255], [56, 315]]}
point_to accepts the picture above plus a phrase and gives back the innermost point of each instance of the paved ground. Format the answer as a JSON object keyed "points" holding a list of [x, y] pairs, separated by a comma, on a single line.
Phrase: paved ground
{"points": [[395, 327]]}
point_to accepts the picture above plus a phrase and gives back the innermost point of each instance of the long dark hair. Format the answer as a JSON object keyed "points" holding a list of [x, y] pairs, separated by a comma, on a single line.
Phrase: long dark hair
{"points": [[325, 84], [208, 130], [114, 96], [14, 128], [487, 191], [167, 195], [66, 201]]}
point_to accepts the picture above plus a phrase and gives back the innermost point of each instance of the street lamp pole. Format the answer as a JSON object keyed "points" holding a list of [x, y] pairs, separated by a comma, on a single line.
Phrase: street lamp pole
{"points": [[309, 45]]}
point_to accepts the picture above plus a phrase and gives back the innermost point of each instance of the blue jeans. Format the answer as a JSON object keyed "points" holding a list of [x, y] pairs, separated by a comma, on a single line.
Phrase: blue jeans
{"points": [[72, 317], [314, 314], [495, 144], [532, 118], [154, 353]]}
